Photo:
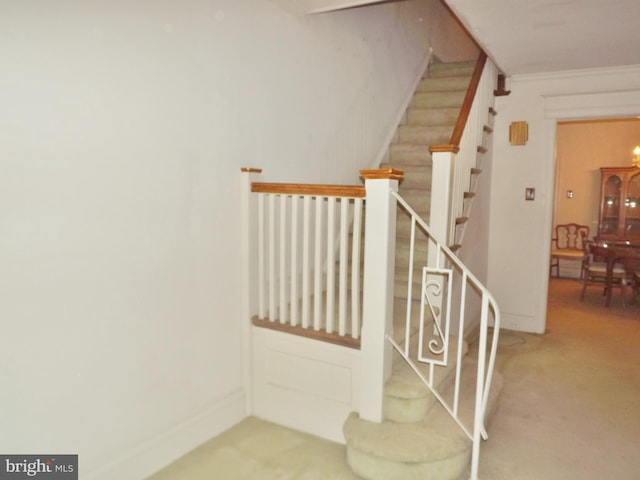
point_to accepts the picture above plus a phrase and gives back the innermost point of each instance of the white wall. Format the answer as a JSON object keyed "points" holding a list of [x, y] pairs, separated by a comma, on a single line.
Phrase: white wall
{"points": [[123, 128], [582, 148], [521, 230]]}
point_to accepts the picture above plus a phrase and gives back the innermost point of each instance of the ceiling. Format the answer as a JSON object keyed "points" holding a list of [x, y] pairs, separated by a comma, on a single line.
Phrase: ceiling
{"points": [[535, 36]]}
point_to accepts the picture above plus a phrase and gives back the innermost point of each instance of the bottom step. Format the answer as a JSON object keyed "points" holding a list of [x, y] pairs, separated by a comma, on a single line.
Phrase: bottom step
{"points": [[434, 448], [395, 451]]}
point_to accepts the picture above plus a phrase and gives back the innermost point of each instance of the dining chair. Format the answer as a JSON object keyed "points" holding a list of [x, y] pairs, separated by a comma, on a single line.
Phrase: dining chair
{"points": [[568, 244], [635, 283], [595, 272]]}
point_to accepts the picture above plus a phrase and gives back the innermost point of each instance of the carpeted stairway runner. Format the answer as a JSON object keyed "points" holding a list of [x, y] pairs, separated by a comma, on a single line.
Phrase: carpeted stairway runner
{"points": [[418, 439]]}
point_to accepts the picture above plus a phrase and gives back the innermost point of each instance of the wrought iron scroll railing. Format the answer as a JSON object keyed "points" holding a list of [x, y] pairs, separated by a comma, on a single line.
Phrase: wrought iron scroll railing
{"points": [[443, 327]]}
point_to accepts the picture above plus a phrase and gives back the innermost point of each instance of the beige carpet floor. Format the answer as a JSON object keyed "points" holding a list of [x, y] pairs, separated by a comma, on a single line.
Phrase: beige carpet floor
{"points": [[570, 409]]}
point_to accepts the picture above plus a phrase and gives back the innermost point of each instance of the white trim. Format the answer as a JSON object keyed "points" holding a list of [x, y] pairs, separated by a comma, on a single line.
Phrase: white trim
{"points": [[156, 453], [540, 322], [249, 272], [563, 107], [575, 74], [593, 105], [337, 5], [517, 322]]}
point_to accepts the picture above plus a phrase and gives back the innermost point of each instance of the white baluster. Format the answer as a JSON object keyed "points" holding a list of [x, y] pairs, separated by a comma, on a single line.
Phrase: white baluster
{"points": [[355, 268], [331, 264], [262, 258], [344, 250], [283, 259], [317, 284], [306, 270], [294, 259], [272, 258]]}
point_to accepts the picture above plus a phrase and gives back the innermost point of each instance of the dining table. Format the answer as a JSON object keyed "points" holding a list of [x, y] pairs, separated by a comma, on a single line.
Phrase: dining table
{"points": [[625, 253]]}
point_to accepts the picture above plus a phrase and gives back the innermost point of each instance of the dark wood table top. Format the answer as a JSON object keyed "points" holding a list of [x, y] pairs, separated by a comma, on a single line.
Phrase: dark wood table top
{"points": [[612, 253]]}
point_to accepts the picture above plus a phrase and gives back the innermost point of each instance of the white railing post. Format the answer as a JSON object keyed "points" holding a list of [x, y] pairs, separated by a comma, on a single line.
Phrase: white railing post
{"points": [[443, 163], [379, 263], [249, 275], [443, 160]]}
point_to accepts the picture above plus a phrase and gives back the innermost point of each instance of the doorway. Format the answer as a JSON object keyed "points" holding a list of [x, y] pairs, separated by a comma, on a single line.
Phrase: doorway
{"points": [[567, 108], [582, 148]]}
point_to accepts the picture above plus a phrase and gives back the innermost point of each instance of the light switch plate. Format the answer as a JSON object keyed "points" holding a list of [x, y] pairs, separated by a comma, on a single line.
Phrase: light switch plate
{"points": [[530, 193]]}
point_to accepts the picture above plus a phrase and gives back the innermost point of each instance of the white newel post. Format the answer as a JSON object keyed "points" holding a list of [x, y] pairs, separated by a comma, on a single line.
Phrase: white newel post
{"points": [[443, 163], [249, 275], [377, 309], [443, 160]]}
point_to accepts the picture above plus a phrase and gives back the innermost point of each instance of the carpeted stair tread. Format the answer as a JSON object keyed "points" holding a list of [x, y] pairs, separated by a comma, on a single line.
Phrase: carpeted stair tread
{"points": [[452, 69], [402, 442], [432, 116], [451, 99], [434, 448], [400, 316], [429, 120], [427, 135], [418, 199], [403, 234], [382, 469], [408, 153], [404, 384], [445, 83], [419, 440]]}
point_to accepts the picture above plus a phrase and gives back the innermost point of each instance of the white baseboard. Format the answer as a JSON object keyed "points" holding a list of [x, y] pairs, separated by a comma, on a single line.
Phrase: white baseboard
{"points": [[520, 323], [164, 449]]}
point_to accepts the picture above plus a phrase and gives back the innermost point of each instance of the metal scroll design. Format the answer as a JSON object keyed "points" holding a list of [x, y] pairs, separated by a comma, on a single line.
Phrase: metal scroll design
{"points": [[436, 299]]}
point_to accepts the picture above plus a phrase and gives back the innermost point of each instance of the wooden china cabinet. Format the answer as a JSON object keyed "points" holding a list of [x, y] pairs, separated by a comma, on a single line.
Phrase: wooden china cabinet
{"points": [[619, 205]]}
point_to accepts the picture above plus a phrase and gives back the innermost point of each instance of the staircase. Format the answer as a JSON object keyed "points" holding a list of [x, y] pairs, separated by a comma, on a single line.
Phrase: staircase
{"points": [[418, 438], [428, 420], [429, 120]]}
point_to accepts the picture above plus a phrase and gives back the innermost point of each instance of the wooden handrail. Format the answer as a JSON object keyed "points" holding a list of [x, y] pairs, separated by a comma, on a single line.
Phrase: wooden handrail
{"points": [[461, 123], [344, 340], [320, 190], [447, 148], [379, 173], [468, 100], [355, 191]]}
